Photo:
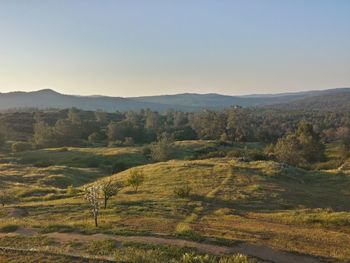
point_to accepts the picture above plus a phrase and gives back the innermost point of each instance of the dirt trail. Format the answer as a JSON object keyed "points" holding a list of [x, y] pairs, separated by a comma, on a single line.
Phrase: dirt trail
{"points": [[266, 254]]}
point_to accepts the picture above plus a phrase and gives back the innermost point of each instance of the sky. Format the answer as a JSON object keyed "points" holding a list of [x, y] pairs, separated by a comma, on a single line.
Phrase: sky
{"points": [[138, 47]]}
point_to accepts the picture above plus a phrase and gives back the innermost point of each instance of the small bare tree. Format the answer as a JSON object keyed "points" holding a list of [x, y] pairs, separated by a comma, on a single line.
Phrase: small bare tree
{"points": [[110, 189], [92, 196]]}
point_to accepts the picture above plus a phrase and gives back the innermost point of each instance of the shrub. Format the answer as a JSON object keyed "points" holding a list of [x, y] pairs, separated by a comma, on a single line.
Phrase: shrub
{"points": [[63, 149], [71, 190], [184, 230], [135, 179], [193, 258], [8, 228], [235, 153], [213, 154], [162, 150], [135, 255], [116, 143], [128, 141], [94, 138], [2, 139], [58, 228], [269, 151], [146, 151], [6, 197], [255, 155], [92, 162], [102, 247], [183, 191], [21, 146], [43, 163], [238, 258], [118, 167]]}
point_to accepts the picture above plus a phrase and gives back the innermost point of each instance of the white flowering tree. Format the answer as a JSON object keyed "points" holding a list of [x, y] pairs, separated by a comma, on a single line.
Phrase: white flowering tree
{"points": [[93, 198]]}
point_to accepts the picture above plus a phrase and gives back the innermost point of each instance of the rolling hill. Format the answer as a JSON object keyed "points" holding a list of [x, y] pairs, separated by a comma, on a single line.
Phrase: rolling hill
{"points": [[336, 101], [50, 99], [334, 98]]}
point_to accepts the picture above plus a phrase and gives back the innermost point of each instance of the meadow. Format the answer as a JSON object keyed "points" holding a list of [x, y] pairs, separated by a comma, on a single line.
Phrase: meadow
{"points": [[233, 203]]}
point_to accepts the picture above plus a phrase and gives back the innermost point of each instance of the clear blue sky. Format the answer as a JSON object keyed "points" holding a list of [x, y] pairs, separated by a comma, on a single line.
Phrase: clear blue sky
{"points": [[130, 47]]}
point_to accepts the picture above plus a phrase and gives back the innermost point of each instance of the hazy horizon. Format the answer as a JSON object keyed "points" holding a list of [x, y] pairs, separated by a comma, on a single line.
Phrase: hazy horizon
{"points": [[170, 94], [133, 48]]}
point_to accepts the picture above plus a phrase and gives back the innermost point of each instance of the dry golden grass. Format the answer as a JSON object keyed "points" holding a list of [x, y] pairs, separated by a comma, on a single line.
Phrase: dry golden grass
{"points": [[262, 201]]}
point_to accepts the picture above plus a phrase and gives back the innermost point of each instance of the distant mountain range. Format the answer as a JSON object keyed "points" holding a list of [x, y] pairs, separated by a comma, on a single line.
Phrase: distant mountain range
{"points": [[332, 99]]}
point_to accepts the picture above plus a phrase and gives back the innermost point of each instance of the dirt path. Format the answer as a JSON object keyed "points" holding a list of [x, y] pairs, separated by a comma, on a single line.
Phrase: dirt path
{"points": [[266, 254]]}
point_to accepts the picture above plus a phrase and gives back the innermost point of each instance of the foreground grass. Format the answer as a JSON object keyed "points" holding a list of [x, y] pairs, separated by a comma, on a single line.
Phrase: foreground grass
{"points": [[41, 249]]}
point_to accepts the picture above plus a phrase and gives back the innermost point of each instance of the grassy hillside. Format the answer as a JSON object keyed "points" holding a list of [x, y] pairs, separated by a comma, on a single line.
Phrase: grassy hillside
{"points": [[260, 202], [44, 172]]}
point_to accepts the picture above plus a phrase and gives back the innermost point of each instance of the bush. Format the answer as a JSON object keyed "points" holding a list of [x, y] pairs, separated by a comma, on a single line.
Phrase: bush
{"points": [[184, 230], [146, 151], [71, 190], [235, 154], [238, 258], [58, 228], [94, 138], [135, 255], [193, 258], [2, 139], [43, 163], [116, 143], [63, 149], [331, 164], [162, 150], [128, 141], [135, 179], [118, 167], [92, 162], [102, 247], [8, 228], [214, 154], [255, 155], [183, 191], [21, 146]]}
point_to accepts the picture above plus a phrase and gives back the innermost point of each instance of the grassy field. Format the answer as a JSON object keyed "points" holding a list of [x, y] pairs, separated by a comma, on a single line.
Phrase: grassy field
{"points": [[231, 201]]}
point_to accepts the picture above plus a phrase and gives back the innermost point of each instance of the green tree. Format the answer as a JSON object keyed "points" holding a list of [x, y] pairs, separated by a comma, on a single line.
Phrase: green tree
{"points": [[136, 179], [110, 189], [343, 134], [162, 150], [101, 117], [74, 116], [302, 147], [287, 150], [94, 137], [118, 131], [44, 135], [67, 133], [2, 139], [312, 149]]}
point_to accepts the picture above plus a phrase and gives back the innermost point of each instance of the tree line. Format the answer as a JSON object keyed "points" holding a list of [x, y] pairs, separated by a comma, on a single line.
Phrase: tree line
{"points": [[73, 127]]}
